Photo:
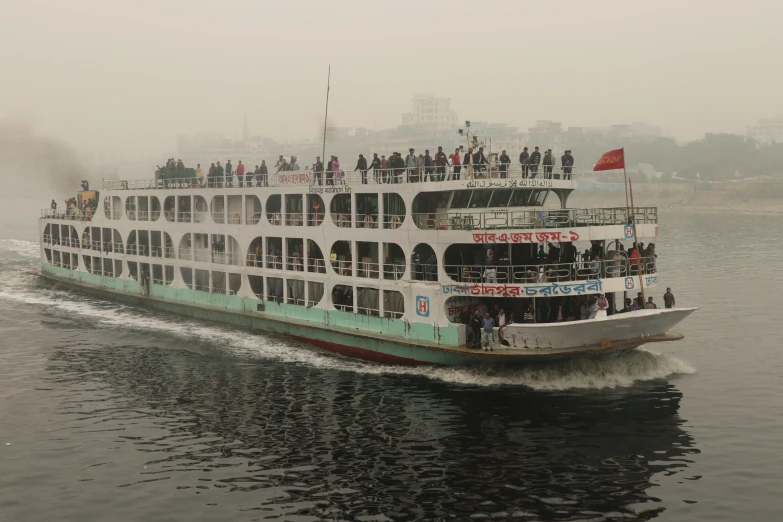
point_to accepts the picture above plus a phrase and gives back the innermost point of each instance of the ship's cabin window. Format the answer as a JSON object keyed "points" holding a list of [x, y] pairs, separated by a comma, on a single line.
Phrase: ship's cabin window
{"points": [[157, 275], [367, 301], [368, 260], [154, 208], [133, 246], [315, 210], [144, 242], [341, 258], [393, 261], [218, 282], [274, 253], [252, 210], [48, 252], [234, 283], [235, 210], [218, 209], [185, 250], [107, 207], [461, 198], [133, 269], [367, 210], [315, 258], [294, 213], [315, 293], [426, 206], [200, 209], [274, 209], [424, 263], [340, 210], [255, 253], [170, 208], [294, 258], [480, 198], [274, 290], [342, 298], [393, 210], [393, 304], [130, 207], [201, 280], [257, 285], [169, 274], [500, 197], [296, 292], [143, 204], [116, 207], [187, 276], [183, 209]]}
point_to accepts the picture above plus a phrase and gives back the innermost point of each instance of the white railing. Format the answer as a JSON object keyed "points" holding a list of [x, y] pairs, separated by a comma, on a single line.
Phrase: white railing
{"points": [[65, 214], [294, 219], [488, 171], [367, 270], [366, 220], [185, 254], [393, 271], [316, 265]]}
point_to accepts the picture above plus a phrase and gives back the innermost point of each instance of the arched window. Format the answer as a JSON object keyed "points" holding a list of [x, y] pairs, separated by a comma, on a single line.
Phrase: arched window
{"points": [[424, 263], [170, 209], [341, 258], [393, 261], [200, 209], [274, 209], [342, 298], [393, 210], [315, 210], [130, 208], [255, 254], [252, 210], [340, 210]]}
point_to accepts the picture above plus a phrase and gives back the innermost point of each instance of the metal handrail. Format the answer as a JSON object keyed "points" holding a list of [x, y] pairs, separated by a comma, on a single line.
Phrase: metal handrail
{"points": [[547, 272], [367, 270], [294, 219], [466, 219], [487, 171], [393, 271], [367, 220]]}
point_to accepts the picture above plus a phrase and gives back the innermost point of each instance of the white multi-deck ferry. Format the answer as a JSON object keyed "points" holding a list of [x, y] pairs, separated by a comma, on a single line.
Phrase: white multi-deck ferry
{"points": [[389, 270]]}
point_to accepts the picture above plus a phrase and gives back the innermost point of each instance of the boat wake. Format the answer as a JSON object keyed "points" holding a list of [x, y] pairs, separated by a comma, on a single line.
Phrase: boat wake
{"points": [[18, 285]]}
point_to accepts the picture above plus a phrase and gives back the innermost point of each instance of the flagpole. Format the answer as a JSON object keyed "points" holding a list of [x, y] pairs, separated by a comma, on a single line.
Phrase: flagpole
{"points": [[326, 113], [625, 175], [639, 270]]}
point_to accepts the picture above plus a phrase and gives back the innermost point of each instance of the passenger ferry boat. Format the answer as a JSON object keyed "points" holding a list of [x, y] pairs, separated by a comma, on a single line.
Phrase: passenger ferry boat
{"points": [[384, 270]]}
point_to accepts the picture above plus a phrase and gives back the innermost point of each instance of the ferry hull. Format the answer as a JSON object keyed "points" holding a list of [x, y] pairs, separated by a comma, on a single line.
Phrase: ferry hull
{"points": [[358, 344]]}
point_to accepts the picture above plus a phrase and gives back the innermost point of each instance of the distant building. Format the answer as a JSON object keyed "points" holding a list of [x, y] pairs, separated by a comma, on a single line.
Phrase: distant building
{"points": [[767, 131], [429, 109]]}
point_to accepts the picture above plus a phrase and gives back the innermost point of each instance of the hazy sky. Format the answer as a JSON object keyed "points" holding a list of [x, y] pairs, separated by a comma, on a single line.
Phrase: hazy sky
{"points": [[131, 76]]}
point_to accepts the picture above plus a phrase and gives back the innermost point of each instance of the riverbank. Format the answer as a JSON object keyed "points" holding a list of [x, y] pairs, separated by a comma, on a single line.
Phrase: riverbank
{"points": [[756, 198]]}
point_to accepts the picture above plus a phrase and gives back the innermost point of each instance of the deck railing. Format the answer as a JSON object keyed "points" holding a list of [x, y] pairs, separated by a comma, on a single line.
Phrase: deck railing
{"points": [[493, 171]]}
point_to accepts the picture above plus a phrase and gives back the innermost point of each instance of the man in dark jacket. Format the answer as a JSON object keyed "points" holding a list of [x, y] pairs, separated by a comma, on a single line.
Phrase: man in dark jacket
{"points": [[548, 163], [319, 170], [467, 159], [535, 161], [329, 172], [428, 166], [442, 162], [361, 166], [479, 161], [263, 174], [567, 161], [375, 165], [504, 163], [229, 174], [475, 328], [524, 160]]}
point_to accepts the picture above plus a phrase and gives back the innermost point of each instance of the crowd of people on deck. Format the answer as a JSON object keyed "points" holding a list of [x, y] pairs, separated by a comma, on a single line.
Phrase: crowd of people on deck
{"points": [[486, 321], [75, 209], [440, 166]]}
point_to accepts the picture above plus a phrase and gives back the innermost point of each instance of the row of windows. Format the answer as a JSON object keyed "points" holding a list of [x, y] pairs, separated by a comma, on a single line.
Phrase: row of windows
{"points": [[361, 300]]}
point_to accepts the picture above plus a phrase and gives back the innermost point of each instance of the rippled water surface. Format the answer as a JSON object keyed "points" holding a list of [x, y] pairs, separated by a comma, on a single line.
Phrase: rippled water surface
{"points": [[115, 413]]}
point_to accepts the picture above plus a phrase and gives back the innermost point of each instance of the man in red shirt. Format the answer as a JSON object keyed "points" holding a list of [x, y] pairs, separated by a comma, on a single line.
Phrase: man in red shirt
{"points": [[455, 164], [240, 173]]}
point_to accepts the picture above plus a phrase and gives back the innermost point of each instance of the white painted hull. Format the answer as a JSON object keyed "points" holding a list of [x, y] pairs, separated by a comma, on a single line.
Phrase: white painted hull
{"points": [[573, 335]]}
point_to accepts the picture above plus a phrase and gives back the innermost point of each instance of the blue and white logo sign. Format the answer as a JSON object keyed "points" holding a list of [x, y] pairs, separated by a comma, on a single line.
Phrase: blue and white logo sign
{"points": [[423, 306], [628, 231], [629, 284]]}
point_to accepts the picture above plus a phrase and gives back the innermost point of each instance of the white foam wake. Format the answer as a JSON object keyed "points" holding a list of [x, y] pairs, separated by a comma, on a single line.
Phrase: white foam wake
{"points": [[15, 286]]}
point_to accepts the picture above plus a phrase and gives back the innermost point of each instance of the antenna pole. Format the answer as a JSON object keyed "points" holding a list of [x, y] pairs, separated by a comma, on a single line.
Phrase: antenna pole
{"points": [[326, 113], [639, 270]]}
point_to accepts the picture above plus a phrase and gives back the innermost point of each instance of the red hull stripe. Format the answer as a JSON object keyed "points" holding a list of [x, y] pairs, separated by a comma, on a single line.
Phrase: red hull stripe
{"points": [[361, 353]]}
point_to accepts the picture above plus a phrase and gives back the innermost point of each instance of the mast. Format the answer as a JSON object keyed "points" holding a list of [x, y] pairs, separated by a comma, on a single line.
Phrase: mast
{"points": [[326, 112], [639, 271]]}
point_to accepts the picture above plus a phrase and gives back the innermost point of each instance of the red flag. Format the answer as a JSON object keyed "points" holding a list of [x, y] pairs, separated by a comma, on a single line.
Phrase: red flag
{"points": [[614, 159]]}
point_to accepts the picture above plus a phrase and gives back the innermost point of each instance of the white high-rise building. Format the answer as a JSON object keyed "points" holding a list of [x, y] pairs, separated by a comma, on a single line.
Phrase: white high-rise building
{"points": [[430, 110]]}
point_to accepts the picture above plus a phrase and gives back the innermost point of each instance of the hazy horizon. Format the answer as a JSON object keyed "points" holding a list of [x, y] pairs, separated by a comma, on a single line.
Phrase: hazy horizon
{"points": [[131, 80]]}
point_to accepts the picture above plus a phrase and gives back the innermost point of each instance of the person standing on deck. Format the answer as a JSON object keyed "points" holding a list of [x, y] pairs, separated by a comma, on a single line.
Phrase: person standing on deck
{"points": [[411, 167], [442, 163], [650, 305], [263, 173], [475, 328], [548, 163], [199, 175], [487, 325], [330, 171], [530, 314], [375, 166], [229, 174], [338, 174], [319, 171], [467, 163], [361, 166], [240, 174], [535, 161], [668, 298], [455, 165], [428, 167], [567, 161], [294, 164], [524, 160], [505, 161], [218, 175]]}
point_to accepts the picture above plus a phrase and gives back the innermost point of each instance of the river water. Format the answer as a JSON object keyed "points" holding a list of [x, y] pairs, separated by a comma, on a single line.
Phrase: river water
{"points": [[115, 413]]}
